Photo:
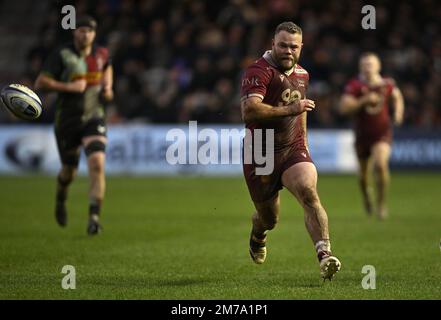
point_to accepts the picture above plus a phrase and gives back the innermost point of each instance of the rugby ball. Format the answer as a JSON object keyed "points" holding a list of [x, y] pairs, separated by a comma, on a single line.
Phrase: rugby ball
{"points": [[21, 101]]}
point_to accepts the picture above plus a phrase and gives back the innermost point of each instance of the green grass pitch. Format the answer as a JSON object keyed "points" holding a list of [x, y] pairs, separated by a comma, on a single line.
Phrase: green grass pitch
{"points": [[187, 238]]}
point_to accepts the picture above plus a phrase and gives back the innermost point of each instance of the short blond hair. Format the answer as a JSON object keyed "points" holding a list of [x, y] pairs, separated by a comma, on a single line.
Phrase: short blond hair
{"points": [[288, 26], [369, 54]]}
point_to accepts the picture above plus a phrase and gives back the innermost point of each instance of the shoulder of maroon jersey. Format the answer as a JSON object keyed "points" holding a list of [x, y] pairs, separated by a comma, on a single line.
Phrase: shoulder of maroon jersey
{"points": [[299, 71], [356, 81], [354, 85], [261, 64], [389, 81], [102, 50]]}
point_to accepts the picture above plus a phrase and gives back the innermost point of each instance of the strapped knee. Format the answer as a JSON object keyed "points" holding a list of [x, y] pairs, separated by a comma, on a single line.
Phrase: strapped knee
{"points": [[95, 146]]}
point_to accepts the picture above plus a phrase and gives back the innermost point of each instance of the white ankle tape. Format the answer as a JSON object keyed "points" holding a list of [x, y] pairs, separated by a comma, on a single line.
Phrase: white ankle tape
{"points": [[323, 245]]}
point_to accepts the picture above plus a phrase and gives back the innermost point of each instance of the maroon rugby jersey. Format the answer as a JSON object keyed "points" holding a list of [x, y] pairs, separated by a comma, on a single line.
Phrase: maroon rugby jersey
{"points": [[277, 88], [372, 122]]}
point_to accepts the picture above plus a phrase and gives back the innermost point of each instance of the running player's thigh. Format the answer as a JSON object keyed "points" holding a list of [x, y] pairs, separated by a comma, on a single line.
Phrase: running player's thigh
{"points": [[381, 153], [300, 177], [268, 208]]}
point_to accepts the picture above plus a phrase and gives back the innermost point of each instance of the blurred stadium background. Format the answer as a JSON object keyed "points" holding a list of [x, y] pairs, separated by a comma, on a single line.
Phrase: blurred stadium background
{"points": [[181, 60], [177, 61]]}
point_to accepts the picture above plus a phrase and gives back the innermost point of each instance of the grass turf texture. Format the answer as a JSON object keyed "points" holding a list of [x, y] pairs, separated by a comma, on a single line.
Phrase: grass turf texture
{"points": [[187, 238]]}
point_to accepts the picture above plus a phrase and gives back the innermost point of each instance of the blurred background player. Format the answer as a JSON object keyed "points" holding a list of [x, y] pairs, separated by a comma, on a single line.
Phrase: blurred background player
{"points": [[81, 74], [273, 97], [371, 98]]}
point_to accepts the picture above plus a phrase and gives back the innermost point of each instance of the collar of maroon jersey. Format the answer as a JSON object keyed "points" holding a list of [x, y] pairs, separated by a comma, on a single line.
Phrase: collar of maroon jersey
{"points": [[269, 58]]}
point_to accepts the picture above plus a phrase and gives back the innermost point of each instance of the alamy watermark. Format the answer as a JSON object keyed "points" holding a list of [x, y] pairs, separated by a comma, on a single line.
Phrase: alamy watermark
{"points": [[69, 21], [69, 281], [369, 280], [202, 147], [369, 21]]}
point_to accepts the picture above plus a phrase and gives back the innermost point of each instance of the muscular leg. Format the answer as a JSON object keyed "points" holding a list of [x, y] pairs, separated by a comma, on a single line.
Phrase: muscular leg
{"points": [[301, 180], [264, 219], [97, 183], [381, 154], [363, 179]]}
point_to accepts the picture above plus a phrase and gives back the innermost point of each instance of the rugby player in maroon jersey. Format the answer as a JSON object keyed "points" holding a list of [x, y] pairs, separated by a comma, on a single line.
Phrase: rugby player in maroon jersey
{"points": [[371, 99], [273, 97]]}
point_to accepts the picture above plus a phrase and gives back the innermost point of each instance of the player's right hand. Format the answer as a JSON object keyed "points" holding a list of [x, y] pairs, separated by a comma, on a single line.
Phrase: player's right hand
{"points": [[303, 105], [78, 86]]}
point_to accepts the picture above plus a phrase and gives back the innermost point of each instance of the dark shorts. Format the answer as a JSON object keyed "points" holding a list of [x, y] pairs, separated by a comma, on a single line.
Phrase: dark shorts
{"points": [[265, 187], [69, 138], [363, 146]]}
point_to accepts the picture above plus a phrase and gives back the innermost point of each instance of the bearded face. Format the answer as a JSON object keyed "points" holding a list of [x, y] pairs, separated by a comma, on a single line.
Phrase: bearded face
{"points": [[84, 37], [286, 49]]}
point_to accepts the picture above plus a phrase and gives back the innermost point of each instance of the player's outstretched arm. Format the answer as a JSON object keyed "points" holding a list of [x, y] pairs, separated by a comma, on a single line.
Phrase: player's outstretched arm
{"points": [[398, 106], [46, 83], [350, 104], [253, 109]]}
